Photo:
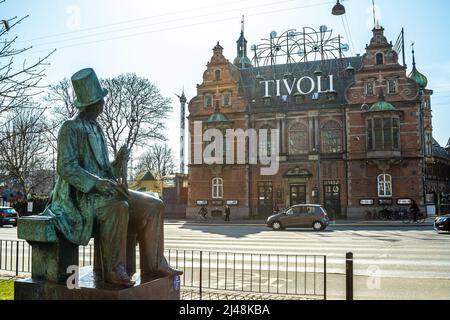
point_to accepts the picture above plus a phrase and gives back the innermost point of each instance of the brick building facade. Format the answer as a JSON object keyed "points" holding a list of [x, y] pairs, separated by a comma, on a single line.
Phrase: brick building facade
{"points": [[358, 142]]}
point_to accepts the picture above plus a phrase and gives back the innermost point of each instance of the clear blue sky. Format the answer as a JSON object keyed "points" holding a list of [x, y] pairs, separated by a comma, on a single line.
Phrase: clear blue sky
{"points": [[170, 42]]}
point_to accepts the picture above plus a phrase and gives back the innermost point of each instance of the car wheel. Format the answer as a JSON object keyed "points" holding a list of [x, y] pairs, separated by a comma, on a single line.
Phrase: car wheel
{"points": [[318, 226], [277, 226]]}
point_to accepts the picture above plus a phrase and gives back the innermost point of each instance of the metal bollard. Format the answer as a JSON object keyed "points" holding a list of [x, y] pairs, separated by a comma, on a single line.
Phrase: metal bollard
{"points": [[349, 275]]}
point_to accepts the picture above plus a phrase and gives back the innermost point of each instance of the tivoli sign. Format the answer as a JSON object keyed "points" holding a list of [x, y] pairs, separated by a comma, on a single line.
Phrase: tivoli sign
{"points": [[304, 86]]}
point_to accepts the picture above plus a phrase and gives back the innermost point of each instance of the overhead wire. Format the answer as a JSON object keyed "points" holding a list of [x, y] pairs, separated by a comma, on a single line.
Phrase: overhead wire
{"points": [[183, 26], [162, 22]]}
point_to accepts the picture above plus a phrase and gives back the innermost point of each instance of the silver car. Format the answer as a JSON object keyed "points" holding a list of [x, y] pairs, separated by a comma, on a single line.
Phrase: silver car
{"points": [[300, 216]]}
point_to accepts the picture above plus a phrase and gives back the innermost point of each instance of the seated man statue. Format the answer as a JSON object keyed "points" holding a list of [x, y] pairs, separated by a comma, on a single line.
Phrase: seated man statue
{"points": [[88, 196]]}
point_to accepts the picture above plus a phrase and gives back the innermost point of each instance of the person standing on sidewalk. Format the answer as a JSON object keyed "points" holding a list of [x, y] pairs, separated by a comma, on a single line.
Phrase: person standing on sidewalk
{"points": [[414, 209], [227, 213]]}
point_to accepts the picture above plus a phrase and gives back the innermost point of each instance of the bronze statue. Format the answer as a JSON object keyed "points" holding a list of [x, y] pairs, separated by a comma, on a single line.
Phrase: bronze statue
{"points": [[88, 195]]}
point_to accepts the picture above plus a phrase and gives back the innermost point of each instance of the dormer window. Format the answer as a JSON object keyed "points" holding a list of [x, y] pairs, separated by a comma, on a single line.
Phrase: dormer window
{"points": [[392, 86], [208, 101], [227, 99], [217, 75], [370, 90], [380, 59]]}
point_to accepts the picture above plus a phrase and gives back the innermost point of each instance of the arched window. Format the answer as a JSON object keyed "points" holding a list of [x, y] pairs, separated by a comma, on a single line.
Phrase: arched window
{"points": [[217, 188], [380, 58], [217, 75], [331, 137], [298, 139], [385, 185]]}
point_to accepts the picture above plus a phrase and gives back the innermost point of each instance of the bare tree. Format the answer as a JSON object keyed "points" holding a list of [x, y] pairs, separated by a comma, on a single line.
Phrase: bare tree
{"points": [[134, 111], [18, 82], [159, 160], [24, 159], [61, 97]]}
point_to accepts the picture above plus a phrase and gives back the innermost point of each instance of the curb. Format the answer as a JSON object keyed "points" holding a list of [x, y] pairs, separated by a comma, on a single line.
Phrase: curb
{"points": [[263, 224]]}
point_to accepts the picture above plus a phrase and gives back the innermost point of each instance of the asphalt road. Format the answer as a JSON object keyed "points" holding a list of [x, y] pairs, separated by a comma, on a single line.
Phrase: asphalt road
{"points": [[401, 262]]}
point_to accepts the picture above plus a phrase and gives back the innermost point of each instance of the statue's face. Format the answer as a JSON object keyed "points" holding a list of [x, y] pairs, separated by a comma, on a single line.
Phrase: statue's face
{"points": [[93, 111]]}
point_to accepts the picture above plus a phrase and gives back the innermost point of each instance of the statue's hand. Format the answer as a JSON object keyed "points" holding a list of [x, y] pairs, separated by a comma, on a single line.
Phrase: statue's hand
{"points": [[106, 187], [123, 156]]}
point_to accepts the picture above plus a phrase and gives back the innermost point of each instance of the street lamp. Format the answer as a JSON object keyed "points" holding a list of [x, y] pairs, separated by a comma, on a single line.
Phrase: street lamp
{"points": [[338, 9]]}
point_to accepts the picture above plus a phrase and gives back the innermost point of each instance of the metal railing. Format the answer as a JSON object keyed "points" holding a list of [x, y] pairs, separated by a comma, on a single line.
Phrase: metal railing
{"points": [[290, 275]]}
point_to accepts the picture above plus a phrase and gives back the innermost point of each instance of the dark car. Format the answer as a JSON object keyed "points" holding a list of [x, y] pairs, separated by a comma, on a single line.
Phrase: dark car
{"points": [[8, 216], [300, 216], [442, 224]]}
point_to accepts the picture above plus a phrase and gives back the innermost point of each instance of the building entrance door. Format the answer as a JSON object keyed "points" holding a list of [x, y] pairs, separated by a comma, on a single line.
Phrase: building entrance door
{"points": [[297, 194], [265, 199], [332, 199]]}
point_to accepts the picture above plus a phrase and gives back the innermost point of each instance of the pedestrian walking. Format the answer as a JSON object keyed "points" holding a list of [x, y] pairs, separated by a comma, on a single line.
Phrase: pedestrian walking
{"points": [[227, 213]]}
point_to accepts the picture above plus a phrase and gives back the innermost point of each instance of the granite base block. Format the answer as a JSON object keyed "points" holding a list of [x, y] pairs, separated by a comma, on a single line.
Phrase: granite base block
{"points": [[90, 288]]}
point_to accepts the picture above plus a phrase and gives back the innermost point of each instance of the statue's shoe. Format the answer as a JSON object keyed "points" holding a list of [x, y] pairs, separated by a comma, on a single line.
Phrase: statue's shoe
{"points": [[120, 277], [163, 270], [167, 270]]}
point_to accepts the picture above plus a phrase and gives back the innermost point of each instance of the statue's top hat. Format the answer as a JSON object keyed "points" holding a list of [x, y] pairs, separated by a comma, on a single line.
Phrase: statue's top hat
{"points": [[87, 88]]}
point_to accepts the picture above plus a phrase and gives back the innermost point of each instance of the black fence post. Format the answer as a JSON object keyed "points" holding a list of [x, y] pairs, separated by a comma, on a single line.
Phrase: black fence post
{"points": [[17, 258], [201, 278], [349, 275], [325, 278]]}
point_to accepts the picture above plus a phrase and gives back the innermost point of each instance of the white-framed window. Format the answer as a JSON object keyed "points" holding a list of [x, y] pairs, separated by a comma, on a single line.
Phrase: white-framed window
{"points": [[208, 101], [385, 186], [392, 86], [217, 188]]}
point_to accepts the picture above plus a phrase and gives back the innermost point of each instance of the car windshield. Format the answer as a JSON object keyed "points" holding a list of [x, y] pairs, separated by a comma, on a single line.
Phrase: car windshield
{"points": [[8, 211]]}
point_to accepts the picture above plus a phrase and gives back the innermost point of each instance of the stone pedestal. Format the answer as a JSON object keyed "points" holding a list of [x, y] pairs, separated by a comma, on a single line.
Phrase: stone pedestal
{"points": [[91, 288]]}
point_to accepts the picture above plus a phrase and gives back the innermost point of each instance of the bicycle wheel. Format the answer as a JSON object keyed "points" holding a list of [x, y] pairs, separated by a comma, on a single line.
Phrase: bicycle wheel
{"points": [[406, 219]]}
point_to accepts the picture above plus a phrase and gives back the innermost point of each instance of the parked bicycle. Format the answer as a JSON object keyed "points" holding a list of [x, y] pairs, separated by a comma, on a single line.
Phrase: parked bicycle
{"points": [[203, 214], [410, 218]]}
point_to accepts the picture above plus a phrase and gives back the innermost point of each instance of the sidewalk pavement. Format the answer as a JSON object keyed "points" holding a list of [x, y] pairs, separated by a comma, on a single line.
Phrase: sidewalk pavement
{"points": [[340, 223]]}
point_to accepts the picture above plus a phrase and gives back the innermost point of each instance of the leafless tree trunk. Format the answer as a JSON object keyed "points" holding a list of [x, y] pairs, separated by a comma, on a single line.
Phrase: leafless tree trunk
{"points": [[18, 82], [24, 156], [159, 160]]}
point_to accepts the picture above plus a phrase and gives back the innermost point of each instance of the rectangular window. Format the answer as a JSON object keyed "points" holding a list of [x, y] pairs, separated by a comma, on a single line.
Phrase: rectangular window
{"points": [[226, 99], [378, 134], [392, 86], [396, 133], [369, 135], [208, 101], [387, 134], [369, 89]]}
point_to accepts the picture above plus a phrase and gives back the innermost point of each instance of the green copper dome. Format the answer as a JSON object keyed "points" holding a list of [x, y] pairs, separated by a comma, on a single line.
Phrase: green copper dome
{"points": [[382, 106], [217, 117], [418, 78]]}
